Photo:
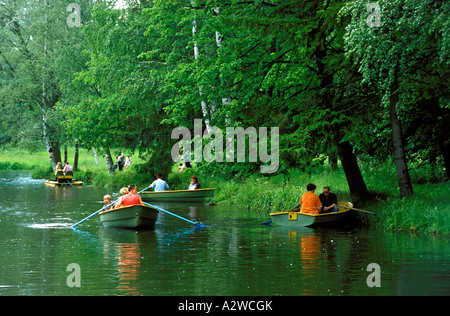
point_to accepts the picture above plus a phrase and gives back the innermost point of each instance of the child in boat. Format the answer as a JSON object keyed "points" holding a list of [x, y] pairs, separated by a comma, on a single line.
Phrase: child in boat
{"points": [[123, 191], [310, 201], [194, 183], [107, 199]]}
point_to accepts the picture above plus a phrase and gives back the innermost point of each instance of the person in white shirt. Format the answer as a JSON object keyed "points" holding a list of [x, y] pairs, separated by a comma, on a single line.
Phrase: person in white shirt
{"points": [[67, 168], [159, 184], [127, 162]]}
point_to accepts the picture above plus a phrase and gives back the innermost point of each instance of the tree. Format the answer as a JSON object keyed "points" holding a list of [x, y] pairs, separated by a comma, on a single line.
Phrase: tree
{"points": [[404, 56], [279, 63], [35, 41], [124, 106]]}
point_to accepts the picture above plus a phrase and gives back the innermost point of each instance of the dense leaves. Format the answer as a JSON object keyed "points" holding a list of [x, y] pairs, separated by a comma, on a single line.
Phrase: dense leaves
{"points": [[331, 79]]}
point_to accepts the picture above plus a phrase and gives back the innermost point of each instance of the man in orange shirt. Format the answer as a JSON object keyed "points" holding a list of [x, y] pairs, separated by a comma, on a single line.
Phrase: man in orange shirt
{"points": [[309, 201]]}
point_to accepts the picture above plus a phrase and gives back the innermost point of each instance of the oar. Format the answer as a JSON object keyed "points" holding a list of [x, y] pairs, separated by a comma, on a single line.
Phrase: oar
{"points": [[267, 223], [184, 219], [106, 206], [357, 209], [85, 219]]}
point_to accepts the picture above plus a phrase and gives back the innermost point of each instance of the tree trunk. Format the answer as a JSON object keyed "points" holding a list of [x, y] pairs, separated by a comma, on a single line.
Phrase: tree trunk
{"points": [[55, 154], [109, 162], [355, 180], [51, 145], [75, 159], [333, 160], [65, 152], [404, 180], [95, 155], [205, 110], [442, 131], [443, 140]]}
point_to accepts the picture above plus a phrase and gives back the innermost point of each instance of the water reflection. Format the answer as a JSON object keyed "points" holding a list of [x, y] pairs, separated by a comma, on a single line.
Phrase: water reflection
{"points": [[234, 255]]}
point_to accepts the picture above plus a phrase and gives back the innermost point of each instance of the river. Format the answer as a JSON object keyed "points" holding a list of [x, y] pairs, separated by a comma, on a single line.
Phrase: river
{"points": [[234, 255]]}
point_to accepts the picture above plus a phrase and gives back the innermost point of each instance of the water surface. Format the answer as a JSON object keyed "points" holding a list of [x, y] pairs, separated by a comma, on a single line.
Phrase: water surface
{"points": [[234, 255]]}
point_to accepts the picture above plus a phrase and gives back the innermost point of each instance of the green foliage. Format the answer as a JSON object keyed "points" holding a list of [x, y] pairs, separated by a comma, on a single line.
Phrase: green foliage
{"points": [[315, 69]]}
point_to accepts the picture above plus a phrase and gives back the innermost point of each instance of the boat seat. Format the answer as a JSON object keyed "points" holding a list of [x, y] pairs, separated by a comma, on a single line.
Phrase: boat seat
{"points": [[64, 179]]}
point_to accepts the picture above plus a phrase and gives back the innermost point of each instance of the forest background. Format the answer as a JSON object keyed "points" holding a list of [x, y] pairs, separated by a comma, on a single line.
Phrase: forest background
{"points": [[358, 89]]}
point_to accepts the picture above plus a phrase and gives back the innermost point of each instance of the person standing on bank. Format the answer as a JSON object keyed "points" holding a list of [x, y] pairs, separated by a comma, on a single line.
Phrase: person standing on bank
{"points": [[127, 162], [329, 201], [121, 161]]}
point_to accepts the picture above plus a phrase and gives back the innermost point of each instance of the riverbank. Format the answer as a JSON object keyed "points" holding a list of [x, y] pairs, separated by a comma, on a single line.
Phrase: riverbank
{"points": [[426, 211]]}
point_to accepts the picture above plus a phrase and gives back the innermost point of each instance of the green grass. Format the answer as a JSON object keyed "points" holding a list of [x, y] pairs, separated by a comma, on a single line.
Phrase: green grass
{"points": [[426, 211], [22, 160]]}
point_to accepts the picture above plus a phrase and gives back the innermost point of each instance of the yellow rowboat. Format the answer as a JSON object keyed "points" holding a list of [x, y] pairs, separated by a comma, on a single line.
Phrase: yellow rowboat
{"points": [[298, 219], [63, 180], [177, 195]]}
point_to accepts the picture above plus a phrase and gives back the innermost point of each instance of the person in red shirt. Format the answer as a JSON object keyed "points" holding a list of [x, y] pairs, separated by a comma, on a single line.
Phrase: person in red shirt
{"points": [[131, 198], [310, 201]]}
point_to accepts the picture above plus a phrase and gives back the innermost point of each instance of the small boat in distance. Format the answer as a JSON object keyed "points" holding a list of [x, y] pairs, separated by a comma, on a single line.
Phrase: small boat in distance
{"points": [[177, 195], [132, 217], [298, 219], [63, 180]]}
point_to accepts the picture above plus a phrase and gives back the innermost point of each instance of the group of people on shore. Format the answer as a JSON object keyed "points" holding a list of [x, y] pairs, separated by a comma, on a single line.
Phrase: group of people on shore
{"points": [[130, 196], [312, 203], [122, 162]]}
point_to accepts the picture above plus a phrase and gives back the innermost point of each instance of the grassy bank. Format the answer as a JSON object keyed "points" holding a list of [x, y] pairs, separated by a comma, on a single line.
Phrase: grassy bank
{"points": [[427, 211]]}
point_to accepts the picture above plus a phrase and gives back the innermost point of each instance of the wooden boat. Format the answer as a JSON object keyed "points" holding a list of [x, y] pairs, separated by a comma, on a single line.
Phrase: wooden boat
{"points": [[291, 218], [177, 195], [132, 216], [62, 180]]}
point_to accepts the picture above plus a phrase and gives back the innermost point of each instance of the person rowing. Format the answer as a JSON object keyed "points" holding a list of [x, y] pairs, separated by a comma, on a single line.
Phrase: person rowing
{"points": [[132, 198], [159, 184]]}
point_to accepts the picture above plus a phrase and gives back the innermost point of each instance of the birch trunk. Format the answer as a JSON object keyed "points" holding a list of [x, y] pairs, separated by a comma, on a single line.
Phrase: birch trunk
{"points": [[95, 155], [52, 146], [404, 180], [109, 162]]}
